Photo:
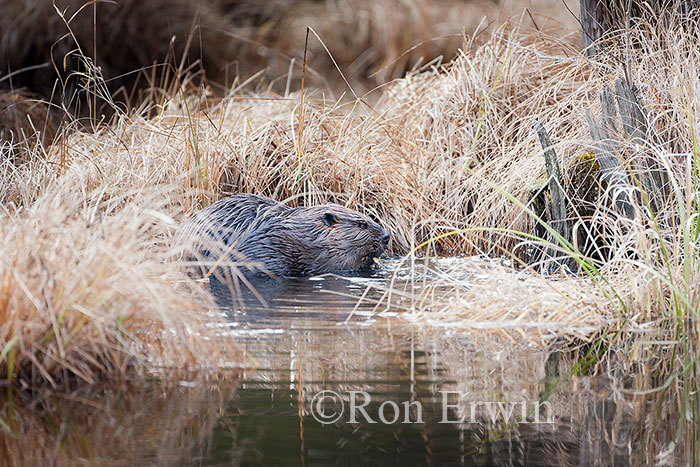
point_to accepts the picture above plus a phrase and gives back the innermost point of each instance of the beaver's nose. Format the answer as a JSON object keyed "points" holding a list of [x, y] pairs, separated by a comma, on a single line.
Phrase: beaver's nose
{"points": [[384, 238]]}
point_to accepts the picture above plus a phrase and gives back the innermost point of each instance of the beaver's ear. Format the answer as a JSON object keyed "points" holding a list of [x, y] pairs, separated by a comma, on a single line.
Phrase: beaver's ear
{"points": [[329, 218]]}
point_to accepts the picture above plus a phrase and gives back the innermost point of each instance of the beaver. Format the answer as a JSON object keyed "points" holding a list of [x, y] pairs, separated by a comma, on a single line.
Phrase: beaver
{"points": [[287, 241]]}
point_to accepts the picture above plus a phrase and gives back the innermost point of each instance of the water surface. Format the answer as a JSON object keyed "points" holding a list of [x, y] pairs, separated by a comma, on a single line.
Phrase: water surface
{"points": [[334, 376], [486, 398]]}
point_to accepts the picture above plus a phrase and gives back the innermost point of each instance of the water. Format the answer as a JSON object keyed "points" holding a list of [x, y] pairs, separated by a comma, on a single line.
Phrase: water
{"points": [[330, 382]]}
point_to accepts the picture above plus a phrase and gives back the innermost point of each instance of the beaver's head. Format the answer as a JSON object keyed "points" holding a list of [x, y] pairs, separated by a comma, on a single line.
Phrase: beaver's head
{"points": [[334, 238]]}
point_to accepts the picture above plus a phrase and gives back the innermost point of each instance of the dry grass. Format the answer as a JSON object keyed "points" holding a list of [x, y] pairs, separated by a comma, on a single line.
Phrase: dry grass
{"points": [[24, 121], [519, 304], [472, 125], [405, 161], [86, 290]]}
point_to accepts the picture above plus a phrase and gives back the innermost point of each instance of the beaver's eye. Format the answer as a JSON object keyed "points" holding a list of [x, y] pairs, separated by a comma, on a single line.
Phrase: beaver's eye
{"points": [[329, 218], [362, 224]]}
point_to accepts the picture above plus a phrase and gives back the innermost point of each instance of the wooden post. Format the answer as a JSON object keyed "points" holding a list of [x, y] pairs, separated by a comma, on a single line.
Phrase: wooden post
{"points": [[634, 125], [611, 170], [593, 25], [560, 221]]}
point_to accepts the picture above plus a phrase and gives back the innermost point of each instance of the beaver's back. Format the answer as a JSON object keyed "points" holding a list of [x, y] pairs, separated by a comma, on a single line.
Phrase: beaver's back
{"points": [[222, 223]]}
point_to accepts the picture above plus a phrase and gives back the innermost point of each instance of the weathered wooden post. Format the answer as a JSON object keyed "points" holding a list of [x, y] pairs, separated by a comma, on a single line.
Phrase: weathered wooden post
{"points": [[560, 221], [634, 125], [611, 170]]}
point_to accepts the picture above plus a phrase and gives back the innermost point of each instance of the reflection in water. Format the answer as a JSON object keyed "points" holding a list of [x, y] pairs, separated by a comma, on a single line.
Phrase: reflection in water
{"points": [[150, 424], [457, 398], [506, 395]]}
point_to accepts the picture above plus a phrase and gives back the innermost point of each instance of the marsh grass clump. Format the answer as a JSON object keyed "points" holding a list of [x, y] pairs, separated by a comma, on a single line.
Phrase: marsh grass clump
{"points": [[92, 298], [87, 290]]}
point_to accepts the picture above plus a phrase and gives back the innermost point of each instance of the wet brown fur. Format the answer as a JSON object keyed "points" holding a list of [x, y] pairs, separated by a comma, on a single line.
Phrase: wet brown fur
{"points": [[286, 241]]}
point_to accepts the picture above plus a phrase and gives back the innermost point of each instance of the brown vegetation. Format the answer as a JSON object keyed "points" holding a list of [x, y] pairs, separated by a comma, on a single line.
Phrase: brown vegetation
{"points": [[86, 293], [130, 41]]}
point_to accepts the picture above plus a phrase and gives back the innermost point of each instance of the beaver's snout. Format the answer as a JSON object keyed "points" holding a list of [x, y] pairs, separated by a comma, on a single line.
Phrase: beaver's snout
{"points": [[384, 238], [381, 243]]}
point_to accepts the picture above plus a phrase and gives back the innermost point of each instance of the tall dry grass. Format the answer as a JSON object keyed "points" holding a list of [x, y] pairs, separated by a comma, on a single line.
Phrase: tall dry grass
{"points": [[87, 288]]}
